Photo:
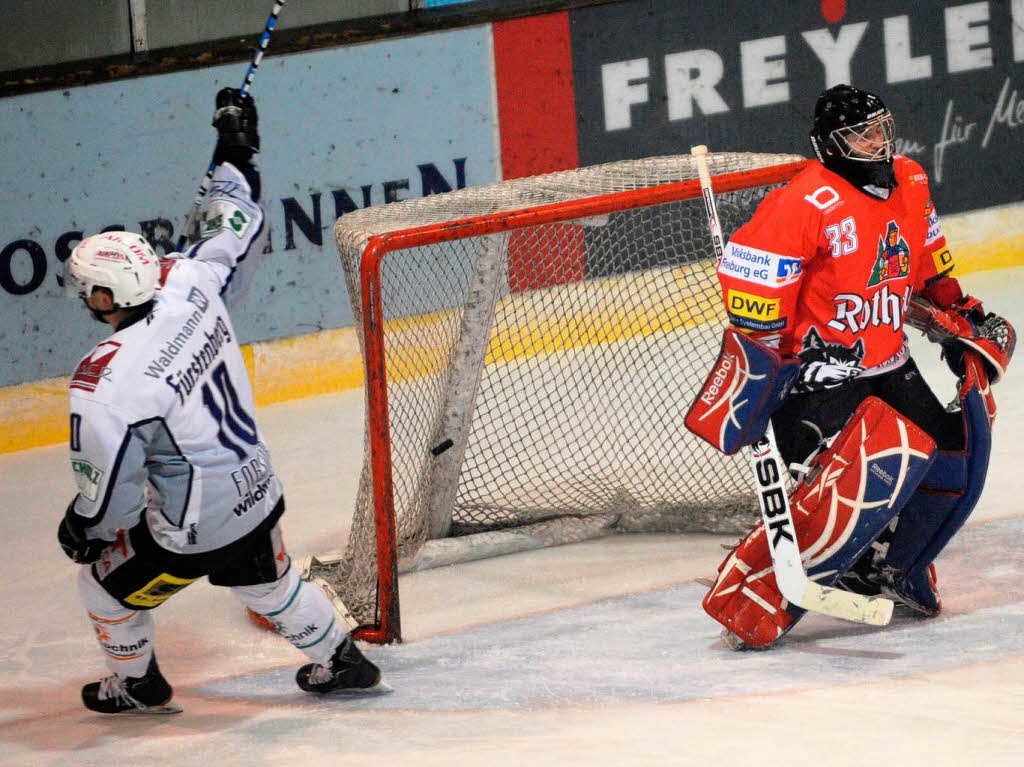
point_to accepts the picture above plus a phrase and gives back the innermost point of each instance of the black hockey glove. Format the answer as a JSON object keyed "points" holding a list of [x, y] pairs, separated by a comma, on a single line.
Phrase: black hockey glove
{"points": [[72, 539], [237, 125]]}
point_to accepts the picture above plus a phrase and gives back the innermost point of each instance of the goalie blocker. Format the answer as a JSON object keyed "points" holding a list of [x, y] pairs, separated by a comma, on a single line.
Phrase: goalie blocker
{"points": [[746, 385]]}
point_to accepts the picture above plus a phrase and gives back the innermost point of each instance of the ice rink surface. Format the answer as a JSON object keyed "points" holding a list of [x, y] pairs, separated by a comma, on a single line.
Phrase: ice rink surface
{"points": [[596, 653]]}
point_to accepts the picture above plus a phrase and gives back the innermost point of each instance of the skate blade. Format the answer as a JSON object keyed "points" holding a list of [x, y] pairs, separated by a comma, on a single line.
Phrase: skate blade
{"points": [[381, 688], [170, 707]]}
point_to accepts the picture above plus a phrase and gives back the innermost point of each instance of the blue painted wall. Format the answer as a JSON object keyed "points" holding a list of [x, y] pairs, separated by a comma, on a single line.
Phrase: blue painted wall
{"points": [[340, 127]]}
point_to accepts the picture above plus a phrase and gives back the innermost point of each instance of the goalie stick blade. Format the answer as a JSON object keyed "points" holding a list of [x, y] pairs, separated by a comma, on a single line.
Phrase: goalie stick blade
{"points": [[874, 611], [801, 591]]}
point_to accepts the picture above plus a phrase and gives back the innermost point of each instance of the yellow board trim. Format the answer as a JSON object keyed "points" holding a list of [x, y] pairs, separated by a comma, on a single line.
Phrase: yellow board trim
{"points": [[35, 414]]}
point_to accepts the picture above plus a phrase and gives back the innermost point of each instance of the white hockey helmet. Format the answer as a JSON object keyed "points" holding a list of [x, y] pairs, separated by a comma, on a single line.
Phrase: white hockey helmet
{"points": [[122, 262]]}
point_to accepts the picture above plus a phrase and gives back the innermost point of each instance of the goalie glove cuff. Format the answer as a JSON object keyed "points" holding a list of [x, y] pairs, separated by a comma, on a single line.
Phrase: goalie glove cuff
{"points": [[994, 339], [963, 326]]}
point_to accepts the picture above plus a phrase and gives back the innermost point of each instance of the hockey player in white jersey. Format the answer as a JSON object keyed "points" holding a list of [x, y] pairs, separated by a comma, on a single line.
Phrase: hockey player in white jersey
{"points": [[175, 482]]}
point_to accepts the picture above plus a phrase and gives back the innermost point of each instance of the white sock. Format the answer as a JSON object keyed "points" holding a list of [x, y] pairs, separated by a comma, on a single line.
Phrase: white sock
{"points": [[300, 611], [125, 636]]}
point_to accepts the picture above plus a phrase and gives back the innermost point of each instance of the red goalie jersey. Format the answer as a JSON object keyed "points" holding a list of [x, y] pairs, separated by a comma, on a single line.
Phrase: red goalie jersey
{"points": [[829, 270]]}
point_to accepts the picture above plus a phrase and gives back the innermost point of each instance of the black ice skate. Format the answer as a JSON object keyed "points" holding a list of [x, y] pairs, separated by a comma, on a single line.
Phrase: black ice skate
{"points": [[348, 670], [149, 694]]}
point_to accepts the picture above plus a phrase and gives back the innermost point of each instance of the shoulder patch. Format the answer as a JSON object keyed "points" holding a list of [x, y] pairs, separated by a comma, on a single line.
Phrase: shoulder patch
{"points": [[761, 267], [166, 264], [943, 260], [753, 312], [94, 368], [224, 215], [87, 477]]}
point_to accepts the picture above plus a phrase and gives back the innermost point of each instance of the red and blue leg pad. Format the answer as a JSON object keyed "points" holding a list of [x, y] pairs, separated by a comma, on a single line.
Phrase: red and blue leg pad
{"points": [[853, 491], [939, 508]]}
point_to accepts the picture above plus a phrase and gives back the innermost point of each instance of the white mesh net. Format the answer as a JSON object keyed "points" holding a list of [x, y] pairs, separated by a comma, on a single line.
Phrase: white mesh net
{"points": [[539, 377]]}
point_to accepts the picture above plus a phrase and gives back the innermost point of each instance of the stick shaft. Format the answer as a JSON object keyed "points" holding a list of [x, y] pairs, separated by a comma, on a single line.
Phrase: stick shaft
{"points": [[250, 74]]}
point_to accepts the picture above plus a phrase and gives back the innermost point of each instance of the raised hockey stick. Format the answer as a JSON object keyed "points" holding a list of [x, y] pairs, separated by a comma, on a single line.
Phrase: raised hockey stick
{"points": [[190, 230], [773, 499]]}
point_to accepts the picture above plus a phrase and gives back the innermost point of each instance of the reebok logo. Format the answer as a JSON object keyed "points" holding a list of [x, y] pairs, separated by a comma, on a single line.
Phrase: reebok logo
{"points": [[718, 379], [882, 474]]}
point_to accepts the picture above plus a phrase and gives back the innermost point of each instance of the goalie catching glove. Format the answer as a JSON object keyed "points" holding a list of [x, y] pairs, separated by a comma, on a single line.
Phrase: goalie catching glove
{"points": [[965, 325]]}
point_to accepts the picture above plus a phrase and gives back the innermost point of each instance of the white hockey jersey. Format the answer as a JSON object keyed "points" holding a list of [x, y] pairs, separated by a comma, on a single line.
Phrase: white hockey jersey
{"points": [[162, 421]]}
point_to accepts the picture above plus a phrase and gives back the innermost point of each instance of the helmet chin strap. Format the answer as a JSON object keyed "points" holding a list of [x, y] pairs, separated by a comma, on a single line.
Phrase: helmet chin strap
{"points": [[100, 315]]}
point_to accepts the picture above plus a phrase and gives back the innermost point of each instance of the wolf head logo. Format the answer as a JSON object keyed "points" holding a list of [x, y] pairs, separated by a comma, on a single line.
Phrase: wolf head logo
{"points": [[825, 365]]}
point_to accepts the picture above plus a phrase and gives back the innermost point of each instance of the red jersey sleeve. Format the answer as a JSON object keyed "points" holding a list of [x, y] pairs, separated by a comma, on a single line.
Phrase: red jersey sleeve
{"points": [[936, 259], [762, 270]]}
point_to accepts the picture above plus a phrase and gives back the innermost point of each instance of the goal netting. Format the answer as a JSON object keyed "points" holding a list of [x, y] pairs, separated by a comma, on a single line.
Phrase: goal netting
{"points": [[531, 348]]}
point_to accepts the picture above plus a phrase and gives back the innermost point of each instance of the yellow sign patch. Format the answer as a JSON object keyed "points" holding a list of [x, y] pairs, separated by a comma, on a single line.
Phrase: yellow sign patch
{"points": [[158, 590], [943, 260], [755, 307]]}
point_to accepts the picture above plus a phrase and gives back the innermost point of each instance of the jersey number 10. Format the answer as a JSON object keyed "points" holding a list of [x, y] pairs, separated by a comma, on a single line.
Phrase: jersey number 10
{"points": [[231, 416]]}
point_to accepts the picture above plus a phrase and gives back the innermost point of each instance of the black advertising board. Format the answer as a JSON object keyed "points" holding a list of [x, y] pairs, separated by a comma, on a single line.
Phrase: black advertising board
{"points": [[654, 77]]}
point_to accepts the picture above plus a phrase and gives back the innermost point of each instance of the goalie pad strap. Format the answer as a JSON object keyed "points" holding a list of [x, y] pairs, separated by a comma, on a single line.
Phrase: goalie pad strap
{"points": [[746, 385], [854, 489]]}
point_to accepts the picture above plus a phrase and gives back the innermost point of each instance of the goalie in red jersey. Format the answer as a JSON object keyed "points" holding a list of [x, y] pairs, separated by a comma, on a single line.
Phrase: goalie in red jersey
{"points": [[826, 275]]}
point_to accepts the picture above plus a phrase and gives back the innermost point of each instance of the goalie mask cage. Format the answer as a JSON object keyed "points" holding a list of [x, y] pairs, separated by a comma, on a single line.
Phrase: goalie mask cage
{"points": [[530, 349]]}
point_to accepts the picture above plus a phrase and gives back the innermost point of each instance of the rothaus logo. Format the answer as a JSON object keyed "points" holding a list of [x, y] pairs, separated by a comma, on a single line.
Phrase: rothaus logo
{"points": [[855, 313], [772, 495]]}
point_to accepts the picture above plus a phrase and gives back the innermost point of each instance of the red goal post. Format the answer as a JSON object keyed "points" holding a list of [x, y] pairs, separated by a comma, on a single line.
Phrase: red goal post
{"points": [[502, 329]]}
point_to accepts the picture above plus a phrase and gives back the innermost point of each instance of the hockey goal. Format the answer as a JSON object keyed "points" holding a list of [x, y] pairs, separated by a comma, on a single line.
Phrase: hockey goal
{"points": [[530, 350]]}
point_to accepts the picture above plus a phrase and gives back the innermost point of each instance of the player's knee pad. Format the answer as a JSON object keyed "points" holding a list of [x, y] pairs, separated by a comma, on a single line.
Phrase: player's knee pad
{"points": [[300, 612], [124, 635], [852, 492], [933, 515], [746, 385]]}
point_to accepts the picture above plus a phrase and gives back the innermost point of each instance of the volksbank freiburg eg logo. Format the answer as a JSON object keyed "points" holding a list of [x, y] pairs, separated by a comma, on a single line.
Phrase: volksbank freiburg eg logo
{"points": [[760, 267]]}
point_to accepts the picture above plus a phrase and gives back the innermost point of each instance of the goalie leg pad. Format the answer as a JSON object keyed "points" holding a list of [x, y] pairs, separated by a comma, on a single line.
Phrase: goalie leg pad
{"points": [[853, 491], [934, 514], [746, 385]]}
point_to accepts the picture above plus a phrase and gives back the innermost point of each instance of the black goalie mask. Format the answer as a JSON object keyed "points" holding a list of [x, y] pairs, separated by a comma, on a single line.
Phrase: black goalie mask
{"points": [[854, 135]]}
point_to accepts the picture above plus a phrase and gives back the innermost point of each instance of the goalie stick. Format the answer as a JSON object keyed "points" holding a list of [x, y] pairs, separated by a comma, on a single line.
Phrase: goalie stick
{"points": [[190, 230], [773, 499]]}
